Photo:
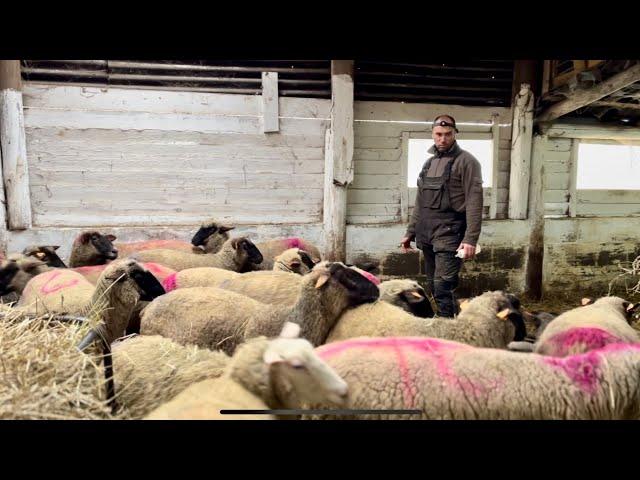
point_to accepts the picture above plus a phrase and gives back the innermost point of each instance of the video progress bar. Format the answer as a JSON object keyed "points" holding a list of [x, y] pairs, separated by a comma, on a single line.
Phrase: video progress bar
{"points": [[321, 412]]}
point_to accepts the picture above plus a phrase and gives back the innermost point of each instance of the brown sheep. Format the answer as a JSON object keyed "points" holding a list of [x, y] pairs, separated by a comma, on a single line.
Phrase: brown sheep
{"points": [[92, 248]]}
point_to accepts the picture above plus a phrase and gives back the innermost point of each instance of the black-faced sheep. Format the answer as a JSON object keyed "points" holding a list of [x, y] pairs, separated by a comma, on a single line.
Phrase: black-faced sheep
{"points": [[92, 248], [272, 248], [46, 254], [408, 295], [234, 255], [211, 236], [15, 273]]}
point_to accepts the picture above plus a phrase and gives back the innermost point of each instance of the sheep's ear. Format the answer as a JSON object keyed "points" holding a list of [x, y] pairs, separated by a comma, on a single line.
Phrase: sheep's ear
{"points": [[632, 307], [322, 280], [413, 296], [464, 305], [39, 255], [586, 301], [271, 356], [111, 237], [290, 330], [503, 314], [225, 228], [235, 242], [55, 247]]}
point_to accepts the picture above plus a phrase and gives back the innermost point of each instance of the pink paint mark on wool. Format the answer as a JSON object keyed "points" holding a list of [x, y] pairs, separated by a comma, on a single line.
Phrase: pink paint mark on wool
{"points": [[583, 369], [435, 351], [587, 338], [369, 276], [48, 287], [294, 242], [159, 271], [170, 282]]}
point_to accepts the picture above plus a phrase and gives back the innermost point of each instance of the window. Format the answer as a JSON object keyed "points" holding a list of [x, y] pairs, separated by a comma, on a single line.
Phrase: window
{"points": [[481, 149], [605, 166]]}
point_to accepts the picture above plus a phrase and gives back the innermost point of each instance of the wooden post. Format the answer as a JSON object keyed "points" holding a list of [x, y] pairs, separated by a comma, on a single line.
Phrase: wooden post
{"points": [[526, 71], [13, 146], [573, 178], [535, 253], [270, 121], [495, 139], [338, 160], [521, 137]]}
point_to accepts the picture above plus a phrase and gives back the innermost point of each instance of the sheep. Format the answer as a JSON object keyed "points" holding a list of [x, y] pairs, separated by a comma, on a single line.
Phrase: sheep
{"points": [[408, 295], [45, 253], [92, 248], [264, 373], [582, 329], [449, 380], [234, 255], [151, 370], [538, 321], [272, 248], [215, 318], [211, 236], [56, 291], [292, 261], [92, 273], [15, 273], [482, 323]]}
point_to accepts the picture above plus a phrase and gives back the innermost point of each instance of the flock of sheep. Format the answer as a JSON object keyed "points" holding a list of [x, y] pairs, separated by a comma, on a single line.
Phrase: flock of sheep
{"points": [[187, 330]]}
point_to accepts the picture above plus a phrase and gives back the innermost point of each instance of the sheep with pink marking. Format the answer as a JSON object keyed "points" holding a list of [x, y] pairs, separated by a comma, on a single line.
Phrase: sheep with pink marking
{"points": [[448, 380], [272, 248], [603, 322]]}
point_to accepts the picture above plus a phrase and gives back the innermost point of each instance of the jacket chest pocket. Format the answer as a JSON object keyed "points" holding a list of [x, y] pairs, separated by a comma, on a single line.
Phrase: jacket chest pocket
{"points": [[432, 193]]}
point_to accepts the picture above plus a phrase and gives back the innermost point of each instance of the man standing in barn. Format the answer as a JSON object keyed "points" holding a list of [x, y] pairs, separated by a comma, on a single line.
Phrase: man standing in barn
{"points": [[448, 213]]}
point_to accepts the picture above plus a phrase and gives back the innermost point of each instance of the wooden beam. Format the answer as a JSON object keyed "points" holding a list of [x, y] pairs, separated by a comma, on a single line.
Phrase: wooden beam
{"points": [[619, 105], [13, 147], [582, 98], [592, 132], [495, 130], [270, 112], [535, 252], [338, 160], [573, 178], [521, 138], [546, 77], [525, 71]]}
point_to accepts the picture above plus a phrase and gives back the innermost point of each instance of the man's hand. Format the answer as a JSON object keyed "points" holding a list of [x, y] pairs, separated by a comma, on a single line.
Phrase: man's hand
{"points": [[468, 250], [405, 244]]}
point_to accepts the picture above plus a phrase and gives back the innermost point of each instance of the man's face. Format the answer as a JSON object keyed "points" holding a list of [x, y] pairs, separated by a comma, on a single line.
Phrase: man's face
{"points": [[443, 137]]}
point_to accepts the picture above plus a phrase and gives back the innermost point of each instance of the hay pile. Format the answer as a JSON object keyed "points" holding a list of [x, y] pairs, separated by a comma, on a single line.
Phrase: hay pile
{"points": [[44, 376], [151, 370]]}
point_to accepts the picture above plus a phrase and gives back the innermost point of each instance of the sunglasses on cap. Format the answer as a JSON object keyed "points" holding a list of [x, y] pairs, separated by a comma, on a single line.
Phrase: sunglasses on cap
{"points": [[444, 123]]}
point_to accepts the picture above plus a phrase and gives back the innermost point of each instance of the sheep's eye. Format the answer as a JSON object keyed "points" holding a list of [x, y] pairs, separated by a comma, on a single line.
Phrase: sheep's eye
{"points": [[298, 366]]}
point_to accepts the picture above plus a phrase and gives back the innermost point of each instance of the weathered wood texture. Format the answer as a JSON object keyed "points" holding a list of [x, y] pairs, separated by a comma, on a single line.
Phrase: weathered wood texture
{"points": [[15, 169], [126, 157], [339, 168], [270, 121], [521, 138]]}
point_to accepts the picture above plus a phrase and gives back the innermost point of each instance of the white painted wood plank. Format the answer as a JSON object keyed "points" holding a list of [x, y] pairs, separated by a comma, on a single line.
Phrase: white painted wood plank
{"points": [[249, 179], [377, 181], [495, 131], [169, 122], [556, 181], [210, 194], [15, 169], [554, 156], [373, 196], [607, 209], [383, 154], [395, 129], [555, 196], [270, 111], [373, 209], [366, 142], [568, 131], [372, 219], [615, 197], [573, 178], [143, 100], [403, 180], [377, 168], [419, 112], [556, 208], [132, 139], [557, 167]]}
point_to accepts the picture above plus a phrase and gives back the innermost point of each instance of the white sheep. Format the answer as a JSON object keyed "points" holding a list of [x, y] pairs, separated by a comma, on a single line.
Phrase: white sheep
{"points": [[449, 380], [263, 374], [215, 318]]}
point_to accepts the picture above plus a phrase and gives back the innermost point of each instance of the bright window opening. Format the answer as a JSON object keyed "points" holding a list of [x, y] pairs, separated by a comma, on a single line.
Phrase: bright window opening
{"points": [[481, 149], [602, 167]]}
